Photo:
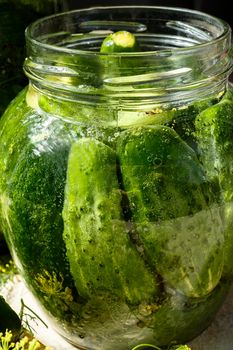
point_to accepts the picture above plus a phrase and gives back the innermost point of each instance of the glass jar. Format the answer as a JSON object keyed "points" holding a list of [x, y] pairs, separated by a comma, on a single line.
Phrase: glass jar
{"points": [[116, 175], [15, 15]]}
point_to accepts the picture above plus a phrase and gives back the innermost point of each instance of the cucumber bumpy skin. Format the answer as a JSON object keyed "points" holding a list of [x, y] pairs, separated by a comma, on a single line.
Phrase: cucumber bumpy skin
{"points": [[101, 254], [121, 41], [173, 208], [33, 165], [213, 131]]}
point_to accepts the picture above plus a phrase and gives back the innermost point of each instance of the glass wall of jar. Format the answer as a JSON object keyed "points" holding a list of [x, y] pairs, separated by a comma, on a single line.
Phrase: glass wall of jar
{"points": [[116, 174], [15, 16]]}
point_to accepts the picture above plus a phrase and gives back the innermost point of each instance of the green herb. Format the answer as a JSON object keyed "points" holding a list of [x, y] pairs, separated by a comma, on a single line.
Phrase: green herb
{"points": [[24, 316], [7, 268], [25, 343]]}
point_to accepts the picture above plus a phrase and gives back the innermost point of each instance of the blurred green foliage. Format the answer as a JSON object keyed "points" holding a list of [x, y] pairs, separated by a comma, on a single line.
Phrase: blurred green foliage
{"points": [[15, 16]]}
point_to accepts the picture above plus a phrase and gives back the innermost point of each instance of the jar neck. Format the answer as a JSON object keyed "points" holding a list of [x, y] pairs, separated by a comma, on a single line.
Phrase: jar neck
{"points": [[185, 56]]}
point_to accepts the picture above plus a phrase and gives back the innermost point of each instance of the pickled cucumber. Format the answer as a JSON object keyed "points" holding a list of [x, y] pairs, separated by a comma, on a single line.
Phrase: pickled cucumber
{"points": [[121, 41], [173, 206], [101, 254]]}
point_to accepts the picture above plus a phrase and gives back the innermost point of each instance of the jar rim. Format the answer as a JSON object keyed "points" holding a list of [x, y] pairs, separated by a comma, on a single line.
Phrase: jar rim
{"points": [[189, 55], [223, 28]]}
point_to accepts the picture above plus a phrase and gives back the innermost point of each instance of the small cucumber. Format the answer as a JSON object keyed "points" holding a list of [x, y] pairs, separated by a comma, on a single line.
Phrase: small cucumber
{"points": [[9, 320], [102, 257], [121, 41]]}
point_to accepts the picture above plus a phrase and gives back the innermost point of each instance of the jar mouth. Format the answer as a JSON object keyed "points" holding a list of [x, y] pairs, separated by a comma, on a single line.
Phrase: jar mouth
{"points": [[172, 29], [184, 55]]}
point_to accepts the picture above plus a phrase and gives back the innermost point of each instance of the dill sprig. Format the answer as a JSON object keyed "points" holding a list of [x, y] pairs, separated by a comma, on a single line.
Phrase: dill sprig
{"points": [[25, 343]]}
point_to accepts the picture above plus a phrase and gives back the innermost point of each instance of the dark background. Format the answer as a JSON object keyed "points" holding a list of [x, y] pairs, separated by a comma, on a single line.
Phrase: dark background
{"points": [[219, 8]]}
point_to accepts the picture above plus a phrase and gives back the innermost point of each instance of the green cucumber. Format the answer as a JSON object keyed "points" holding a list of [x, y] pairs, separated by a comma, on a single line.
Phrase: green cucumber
{"points": [[74, 111], [101, 254], [9, 320], [173, 206], [214, 130], [158, 167], [33, 166], [121, 41]]}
